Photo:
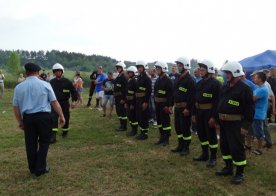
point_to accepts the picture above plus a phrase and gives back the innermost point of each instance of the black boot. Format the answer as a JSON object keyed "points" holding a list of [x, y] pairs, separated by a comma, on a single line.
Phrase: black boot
{"points": [[204, 155], [121, 128], [89, 102], [53, 138], [213, 158], [124, 124], [166, 140], [161, 138], [227, 170], [64, 134], [239, 177], [179, 146], [185, 150], [133, 131], [143, 136]]}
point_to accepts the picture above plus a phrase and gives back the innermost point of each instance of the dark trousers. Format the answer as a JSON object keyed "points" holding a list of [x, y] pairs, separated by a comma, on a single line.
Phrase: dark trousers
{"points": [[121, 111], [91, 91], [163, 118], [65, 106], [37, 129], [131, 114], [142, 116], [231, 143], [207, 135], [182, 124]]}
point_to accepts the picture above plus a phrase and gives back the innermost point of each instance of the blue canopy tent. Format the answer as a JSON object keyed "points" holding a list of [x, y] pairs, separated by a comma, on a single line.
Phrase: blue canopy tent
{"points": [[265, 60]]}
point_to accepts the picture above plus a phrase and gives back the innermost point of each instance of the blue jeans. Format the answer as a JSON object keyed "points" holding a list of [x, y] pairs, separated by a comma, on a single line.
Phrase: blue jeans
{"points": [[258, 127]]}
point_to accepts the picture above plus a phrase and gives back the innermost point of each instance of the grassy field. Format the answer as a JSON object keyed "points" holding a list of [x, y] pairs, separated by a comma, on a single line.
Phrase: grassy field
{"points": [[96, 160]]}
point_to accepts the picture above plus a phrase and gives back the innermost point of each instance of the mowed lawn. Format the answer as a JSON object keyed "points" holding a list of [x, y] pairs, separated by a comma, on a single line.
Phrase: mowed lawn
{"points": [[96, 160]]}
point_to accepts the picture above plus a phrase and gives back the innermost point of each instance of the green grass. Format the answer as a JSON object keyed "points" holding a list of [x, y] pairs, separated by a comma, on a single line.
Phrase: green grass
{"points": [[96, 160]]}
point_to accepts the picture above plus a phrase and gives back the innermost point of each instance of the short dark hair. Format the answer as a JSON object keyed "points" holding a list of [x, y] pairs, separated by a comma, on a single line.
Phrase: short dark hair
{"points": [[262, 76]]}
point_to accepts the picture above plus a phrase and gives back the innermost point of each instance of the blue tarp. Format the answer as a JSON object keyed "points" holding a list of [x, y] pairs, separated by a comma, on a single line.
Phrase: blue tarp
{"points": [[265, 60]]}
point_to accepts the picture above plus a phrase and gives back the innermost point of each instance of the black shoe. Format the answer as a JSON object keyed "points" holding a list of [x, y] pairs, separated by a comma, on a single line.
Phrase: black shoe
{"points": [[160, 141], [179, 147], [165, 142], [226, 171], [211, 163], [120, 129], [237, 179], [45, 171], [131, 133], [53, 138], [64, 134], [142, 136], [201, 158], [88, 105], [184, 152]]}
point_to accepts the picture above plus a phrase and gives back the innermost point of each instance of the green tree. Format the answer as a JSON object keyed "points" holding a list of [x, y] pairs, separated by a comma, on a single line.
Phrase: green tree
{"points": [[14, 63]]}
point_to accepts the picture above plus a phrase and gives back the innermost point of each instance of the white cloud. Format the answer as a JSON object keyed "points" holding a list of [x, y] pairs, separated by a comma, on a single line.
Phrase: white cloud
{"points": [[150, 30]]}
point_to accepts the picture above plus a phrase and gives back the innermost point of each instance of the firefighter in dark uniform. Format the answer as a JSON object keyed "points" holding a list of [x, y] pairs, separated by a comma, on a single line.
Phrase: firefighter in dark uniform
{"points": [[184, 98], [142, 94], [130, 97], [63, 89], [207, 92], [163, 99], [120, 96], [235, 114]]}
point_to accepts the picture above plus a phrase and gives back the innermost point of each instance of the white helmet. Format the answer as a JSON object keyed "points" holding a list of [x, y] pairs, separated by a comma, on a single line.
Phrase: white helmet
{"points": [[142, 63], [58, 66], [132, 69], [121, 64], [209, 64], [184, 61], [234, 67], [163, 65]]}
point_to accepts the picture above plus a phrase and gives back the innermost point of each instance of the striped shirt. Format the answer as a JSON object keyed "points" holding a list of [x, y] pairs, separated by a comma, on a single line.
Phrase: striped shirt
{"points": [[153, 80]]}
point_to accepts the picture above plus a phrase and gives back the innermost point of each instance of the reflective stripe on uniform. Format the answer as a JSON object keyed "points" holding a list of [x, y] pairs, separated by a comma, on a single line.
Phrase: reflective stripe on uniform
{"points": [[213, 146], [135, 123], [142, 88], [167, 128], [239, 163], [204, 143], [67, 129], [159, 126], [187, 138], [65, 90], [182, 89], [226, 157], [55, 129], [180, 136], [162, 92], [130, 92], [207, 95], [124, 118]]}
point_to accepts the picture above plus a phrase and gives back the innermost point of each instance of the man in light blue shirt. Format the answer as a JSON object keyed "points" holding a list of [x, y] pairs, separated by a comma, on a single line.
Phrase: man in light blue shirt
{"points": [[31, 104], [260, 96]]}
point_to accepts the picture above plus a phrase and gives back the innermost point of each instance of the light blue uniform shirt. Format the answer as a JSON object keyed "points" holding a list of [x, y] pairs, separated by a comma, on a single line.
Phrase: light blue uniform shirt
{"points": [[33, 95]]}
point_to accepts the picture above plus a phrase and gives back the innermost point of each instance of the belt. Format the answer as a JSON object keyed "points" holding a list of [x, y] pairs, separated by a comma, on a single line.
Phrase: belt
{"points": [[131, 97], [204, 106], [140, 94], [230, 117], [160, 100], [180, 105], [117, 93]]}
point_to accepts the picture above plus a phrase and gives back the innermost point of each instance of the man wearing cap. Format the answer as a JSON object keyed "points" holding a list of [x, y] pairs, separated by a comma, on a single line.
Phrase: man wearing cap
{"points": [[32, 102]]}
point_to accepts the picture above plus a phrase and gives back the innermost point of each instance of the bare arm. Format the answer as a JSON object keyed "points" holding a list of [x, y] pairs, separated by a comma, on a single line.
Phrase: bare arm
{"points": [[58, 110], [18, 116]]}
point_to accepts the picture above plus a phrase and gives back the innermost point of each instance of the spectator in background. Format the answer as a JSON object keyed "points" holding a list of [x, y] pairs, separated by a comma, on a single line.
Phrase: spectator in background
{"points": [[43, 75], [260, 96], [248, 82], [21, 78], [93, 78], [49, 77], [218, 77], [2, 77], [197, 75], [153, 77], [78, 84], [174, 75], [108, 85], [98, 82]]}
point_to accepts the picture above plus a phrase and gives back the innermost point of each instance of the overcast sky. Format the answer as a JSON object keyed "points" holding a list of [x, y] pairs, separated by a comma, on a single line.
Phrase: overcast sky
{"points": [[141, 29]]}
